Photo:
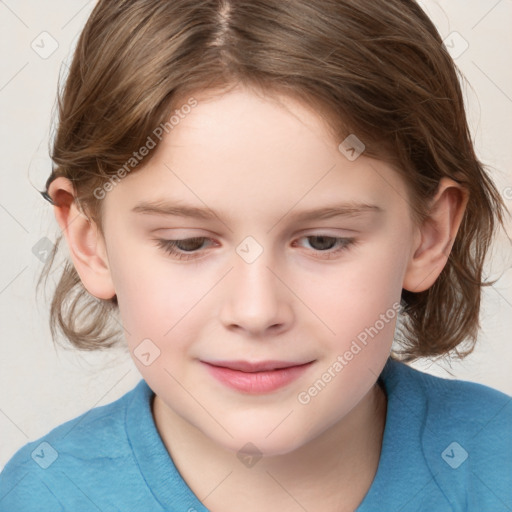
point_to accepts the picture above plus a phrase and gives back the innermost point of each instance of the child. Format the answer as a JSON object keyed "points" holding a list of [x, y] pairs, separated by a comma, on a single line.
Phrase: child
{"points": [[269, 194]]}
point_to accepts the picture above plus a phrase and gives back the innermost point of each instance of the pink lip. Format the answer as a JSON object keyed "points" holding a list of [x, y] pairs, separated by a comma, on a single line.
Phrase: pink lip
{"points": [[259, 377]]}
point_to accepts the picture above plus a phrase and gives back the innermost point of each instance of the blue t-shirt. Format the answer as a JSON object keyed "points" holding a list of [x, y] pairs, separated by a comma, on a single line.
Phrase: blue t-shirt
{"points": [[447, 446]]}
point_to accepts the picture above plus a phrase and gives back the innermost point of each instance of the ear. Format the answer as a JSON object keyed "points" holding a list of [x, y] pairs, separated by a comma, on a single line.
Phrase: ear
{"points": [[86, 245], [436, 235]]}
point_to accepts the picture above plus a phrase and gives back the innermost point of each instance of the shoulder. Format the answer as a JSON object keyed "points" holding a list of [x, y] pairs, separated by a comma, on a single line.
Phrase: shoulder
{"points": [[39, 467], [465, 434], [454, 399]]}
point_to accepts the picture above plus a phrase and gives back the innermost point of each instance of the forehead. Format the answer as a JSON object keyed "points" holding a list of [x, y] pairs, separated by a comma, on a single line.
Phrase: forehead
{"points": [[254, 154]]}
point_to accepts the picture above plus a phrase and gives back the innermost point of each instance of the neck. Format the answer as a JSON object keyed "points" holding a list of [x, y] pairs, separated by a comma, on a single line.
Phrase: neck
{"points": [[313, 475]]}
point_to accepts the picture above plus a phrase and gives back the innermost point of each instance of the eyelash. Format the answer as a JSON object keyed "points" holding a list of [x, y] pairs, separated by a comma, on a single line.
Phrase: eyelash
{"points": [[170, 246]]}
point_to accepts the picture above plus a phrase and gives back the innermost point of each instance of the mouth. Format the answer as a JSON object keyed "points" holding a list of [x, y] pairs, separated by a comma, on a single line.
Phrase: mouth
{"points": [[254, 367], [256, 377]]}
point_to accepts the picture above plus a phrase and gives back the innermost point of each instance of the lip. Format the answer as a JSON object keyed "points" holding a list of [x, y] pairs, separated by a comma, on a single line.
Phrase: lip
{"points": [[256, 377]]}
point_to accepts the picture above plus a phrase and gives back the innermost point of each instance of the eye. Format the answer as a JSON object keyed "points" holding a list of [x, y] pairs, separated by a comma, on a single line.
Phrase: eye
{"points": [[325, 244], [188, 248], [182, 249]]}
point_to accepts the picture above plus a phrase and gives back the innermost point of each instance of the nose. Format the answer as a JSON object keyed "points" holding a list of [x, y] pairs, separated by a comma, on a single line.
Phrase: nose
{"points": [[256, 300]]}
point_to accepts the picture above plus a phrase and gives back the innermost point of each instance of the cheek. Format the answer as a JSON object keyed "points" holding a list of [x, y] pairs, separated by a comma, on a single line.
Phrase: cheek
{"points": [[346, 298], [152, 295], [359, 307]]}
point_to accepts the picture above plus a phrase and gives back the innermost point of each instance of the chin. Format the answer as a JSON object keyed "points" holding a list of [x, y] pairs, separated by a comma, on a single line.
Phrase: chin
{"points": [[259, 443]]}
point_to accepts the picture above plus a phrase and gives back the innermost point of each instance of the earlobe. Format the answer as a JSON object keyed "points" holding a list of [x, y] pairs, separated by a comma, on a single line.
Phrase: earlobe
{"points": [[85, 243], [436, 236]]}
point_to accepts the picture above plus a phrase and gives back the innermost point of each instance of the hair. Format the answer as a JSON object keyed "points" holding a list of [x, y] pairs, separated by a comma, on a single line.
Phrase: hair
{"points": [[376, 69]]}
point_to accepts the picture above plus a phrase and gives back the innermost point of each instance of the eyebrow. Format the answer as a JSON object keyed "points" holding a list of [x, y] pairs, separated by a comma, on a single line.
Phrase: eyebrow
{"points": [[187, 211]]}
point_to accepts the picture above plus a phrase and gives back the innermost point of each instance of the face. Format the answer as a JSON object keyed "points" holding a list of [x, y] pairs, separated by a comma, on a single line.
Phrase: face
{"points": [[253, 318]]}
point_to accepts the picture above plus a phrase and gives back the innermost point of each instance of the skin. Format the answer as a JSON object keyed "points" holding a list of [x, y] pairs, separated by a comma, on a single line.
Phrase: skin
{"points": [[255, 161]]}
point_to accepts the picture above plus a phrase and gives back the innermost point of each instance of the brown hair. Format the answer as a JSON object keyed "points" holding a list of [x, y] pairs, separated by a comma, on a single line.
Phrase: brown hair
{"points": [[375, 69]]}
